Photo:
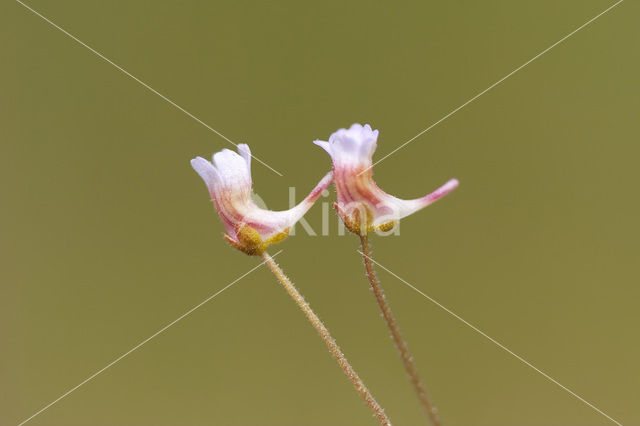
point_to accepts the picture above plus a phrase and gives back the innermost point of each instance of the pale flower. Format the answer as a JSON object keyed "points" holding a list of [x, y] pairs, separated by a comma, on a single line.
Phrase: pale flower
{"points": [[359, 197], [249, 228]]}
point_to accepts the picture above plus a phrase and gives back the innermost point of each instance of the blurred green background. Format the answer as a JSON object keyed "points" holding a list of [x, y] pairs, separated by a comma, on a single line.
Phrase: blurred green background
{"points": [[108, 234]]}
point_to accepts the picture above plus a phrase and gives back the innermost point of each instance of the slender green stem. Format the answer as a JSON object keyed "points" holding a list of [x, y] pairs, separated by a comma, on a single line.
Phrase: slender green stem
{"points": [[399, 341], [328, 340]]}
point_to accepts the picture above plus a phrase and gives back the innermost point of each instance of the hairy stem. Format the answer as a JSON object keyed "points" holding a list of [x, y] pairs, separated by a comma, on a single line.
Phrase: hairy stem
{"points": [[399, 341], [328, 340]]}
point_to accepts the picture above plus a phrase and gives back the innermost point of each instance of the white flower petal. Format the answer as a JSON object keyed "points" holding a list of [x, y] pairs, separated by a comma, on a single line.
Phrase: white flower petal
{"points": [[207, 172], [245, 152], [232, 168], [354, 146], [324, 145]]}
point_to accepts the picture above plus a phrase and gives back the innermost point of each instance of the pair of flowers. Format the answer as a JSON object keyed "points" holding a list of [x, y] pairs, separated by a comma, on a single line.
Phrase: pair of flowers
{"points": [[361, 204]]}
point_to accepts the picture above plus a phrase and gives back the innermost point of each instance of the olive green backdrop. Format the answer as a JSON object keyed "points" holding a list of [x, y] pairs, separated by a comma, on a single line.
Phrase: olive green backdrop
{"points": [[107, 233]]}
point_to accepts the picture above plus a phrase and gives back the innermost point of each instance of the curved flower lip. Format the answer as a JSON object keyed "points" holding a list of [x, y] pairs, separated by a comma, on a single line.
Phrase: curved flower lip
{"points": [[228, 179], [351, 152]]}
